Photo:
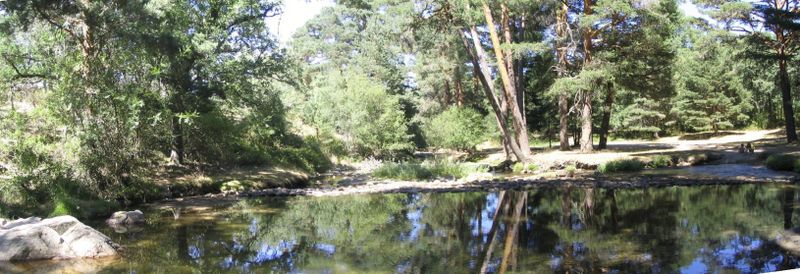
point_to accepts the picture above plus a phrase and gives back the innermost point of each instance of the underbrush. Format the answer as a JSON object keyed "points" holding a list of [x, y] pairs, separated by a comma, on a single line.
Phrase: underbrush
{"points": [[427, 170], [783, 162], [524, 168], [622, 165], [660, 161]]}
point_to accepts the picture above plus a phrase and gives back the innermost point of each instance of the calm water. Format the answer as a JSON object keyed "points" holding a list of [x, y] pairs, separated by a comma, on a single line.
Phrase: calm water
{"points": [[718, 229]]}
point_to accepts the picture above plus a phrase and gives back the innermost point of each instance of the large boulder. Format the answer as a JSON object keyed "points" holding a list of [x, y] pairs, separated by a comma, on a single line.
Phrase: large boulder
{"points": [[20, 222], [55, 238], [82, 241]]}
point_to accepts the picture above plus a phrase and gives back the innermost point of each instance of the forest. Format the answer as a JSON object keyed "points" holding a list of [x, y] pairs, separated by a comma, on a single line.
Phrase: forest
{"points": [[104, 99]]}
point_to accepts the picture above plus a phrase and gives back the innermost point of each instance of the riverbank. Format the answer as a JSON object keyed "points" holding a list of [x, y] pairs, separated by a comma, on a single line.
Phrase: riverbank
{"points": [[662, 178]]}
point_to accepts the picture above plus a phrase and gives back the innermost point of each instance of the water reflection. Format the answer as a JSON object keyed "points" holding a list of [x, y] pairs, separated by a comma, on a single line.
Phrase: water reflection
{"points": [[569, 230]]}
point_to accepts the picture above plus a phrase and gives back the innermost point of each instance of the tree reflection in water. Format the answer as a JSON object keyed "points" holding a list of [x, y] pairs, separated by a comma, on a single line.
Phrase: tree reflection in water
{"points": [[564, 230]]}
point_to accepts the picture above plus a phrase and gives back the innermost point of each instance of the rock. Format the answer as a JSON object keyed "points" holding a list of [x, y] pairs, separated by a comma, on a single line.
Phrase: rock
{"points": [[61, 223], [135, 217], [82, 241], [20, 222], [55, 238], [31, 242]]}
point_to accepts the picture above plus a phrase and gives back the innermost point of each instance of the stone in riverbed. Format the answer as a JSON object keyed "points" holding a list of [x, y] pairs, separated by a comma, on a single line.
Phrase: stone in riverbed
{"points": [[135, 217], [82, 241], [56, 238]]}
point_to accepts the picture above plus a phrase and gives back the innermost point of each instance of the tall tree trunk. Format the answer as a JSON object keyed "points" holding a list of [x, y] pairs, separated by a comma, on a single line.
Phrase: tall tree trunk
{"points": [[481, 70], [605, 123], [177, 147], [561, 69], [563, 122], [459, 90], [586, 122], [520, 128], [586, 104], [786, 96], [448, 96], [511, 66]]}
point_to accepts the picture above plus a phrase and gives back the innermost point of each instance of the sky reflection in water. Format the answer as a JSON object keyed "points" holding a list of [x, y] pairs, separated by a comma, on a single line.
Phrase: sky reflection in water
{"points": [[674, 229]]}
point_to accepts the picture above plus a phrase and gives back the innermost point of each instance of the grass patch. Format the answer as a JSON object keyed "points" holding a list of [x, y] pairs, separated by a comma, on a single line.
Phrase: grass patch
{"points": [[522, 167], [426, 170], [781, 162], [623, 165], [570, 170]]}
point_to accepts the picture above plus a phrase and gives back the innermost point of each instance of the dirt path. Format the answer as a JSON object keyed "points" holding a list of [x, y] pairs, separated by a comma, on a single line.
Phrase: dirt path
{"points": [[727, 145]]}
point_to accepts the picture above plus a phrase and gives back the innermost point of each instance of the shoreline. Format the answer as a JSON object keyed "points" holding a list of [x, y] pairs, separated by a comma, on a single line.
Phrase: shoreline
{"points": [[520, 183]]}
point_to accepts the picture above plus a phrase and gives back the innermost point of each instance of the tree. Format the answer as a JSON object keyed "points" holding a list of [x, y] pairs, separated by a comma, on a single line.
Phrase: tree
{"points": [[772, 23], [362, 113], [711, 92]]}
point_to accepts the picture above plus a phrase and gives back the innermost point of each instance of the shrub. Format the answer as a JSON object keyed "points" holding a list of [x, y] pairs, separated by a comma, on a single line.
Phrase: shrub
{"points": [[427, 170], [623, 165], [782, 162], [456, 128], [521, 167], [660, 161], [797, 166], [571, 169], [351, 106]]}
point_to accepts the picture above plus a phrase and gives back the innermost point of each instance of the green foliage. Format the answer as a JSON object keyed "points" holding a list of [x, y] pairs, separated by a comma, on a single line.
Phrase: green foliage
{"points": [[570, 170], [660, 161], [712, 95], [622, 165], [457, 128], [368, 120], [426, 170], [524, 167], [781, 162]]}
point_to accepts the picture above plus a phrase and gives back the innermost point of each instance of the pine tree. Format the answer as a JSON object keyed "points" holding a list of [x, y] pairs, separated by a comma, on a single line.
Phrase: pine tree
{"points": [[711, 92]]}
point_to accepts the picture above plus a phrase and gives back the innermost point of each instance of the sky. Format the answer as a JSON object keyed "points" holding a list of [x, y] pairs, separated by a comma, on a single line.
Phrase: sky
{"points": [[298, 12], [295, 14]]}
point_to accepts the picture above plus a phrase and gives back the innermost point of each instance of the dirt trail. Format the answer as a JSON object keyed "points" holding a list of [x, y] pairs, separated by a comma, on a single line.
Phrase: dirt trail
{"points": [[727, 145]]}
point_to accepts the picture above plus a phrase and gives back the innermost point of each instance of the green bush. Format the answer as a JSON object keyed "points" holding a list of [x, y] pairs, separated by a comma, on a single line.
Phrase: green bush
{"points": [[781, 162], [426, 170], [521, 167], [570, 170], [660, 161], [360, 112], [458, 128], [623, 165], [797, 166]]}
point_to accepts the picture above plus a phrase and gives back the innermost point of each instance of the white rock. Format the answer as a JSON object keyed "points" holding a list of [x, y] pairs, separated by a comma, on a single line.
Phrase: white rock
{"points": [[54, 238], [135, 217], [20, 222], [29, 243], [82, 241]]}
